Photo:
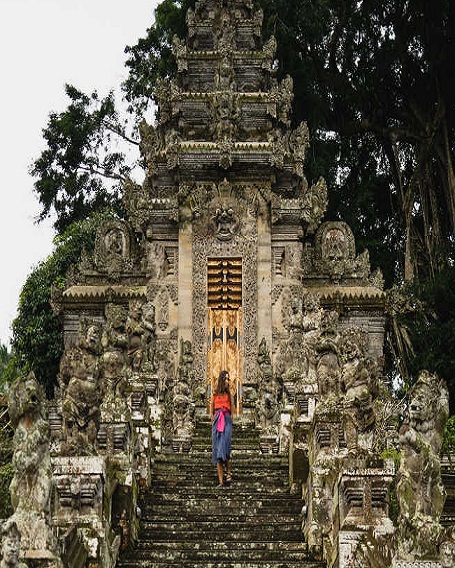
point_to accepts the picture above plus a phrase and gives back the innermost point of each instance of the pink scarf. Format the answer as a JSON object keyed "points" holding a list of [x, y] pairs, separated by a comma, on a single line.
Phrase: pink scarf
{"points": [[221, 420]]}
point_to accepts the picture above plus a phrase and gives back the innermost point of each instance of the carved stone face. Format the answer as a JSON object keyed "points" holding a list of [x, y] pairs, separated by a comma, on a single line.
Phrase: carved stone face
{"points": [[351, 350], [420, 407], [93, 337], [10, 550], [447, 552], [225, 223]]}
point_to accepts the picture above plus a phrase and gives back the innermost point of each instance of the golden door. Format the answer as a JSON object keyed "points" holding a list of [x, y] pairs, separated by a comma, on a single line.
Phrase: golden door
{"points": [[225, 352]]}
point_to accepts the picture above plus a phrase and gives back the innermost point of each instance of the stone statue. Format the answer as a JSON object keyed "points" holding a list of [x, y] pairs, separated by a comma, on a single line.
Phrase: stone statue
{"points": [[32, 482], [135, 330], [30, 487], [79, 379], [269, 403], [10, 545], [292, 362], [115, 343], [447, 549], [420, 492], [358, 388], [149, 337]]}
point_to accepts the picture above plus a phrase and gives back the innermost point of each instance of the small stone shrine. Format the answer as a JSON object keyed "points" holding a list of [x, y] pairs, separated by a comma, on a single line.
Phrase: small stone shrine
{"points": [[224, 261]]}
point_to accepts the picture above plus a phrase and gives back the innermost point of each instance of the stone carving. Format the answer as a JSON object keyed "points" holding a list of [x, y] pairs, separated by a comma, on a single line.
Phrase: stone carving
{"points": [[180, 53], [420, 492], [114, 359], [32, 482], [335, 256], [225, 111], [113, 252], [79, 379], [296, 364], [314, 205], [285, 96], [269, 51], [149, 146], [328, 367], [225, 222], [358, 387], [268, 406], [140, 327], [167, 96], [447, 549], [172, 145], [10, 545], [182, 403], [299, 142], [225, 39]]}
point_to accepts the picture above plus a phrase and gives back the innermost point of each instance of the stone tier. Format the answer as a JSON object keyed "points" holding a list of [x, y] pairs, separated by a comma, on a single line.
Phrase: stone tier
{"points": [[209, 17], [243, 116]]}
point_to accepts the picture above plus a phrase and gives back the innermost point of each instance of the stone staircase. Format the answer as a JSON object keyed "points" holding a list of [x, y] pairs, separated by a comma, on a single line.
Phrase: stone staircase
{"points": [[188, 522]]}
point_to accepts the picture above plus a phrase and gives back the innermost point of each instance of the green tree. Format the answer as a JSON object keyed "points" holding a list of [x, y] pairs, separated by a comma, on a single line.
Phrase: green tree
{"points": [[8, 368], [83, 165], [37, 332]]}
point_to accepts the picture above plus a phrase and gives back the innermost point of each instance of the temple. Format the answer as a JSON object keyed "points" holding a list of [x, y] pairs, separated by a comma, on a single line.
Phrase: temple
{"points": [[225, 261]]}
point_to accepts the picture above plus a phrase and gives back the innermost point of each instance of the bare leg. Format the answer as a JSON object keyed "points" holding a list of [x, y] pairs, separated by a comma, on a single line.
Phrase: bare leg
{"points": [[228, 472], [219, 470]]}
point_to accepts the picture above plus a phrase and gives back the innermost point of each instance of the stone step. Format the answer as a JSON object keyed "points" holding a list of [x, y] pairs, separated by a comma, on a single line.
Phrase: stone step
{"points": [[204, 486], [241, 476], [238, 503], [196, 555], [187, 521], [211, 544], [148, 563], [233, 528], [204, 456]]}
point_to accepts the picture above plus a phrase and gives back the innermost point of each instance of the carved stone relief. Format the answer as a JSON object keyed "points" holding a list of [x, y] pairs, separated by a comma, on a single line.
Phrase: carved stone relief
{"points": [[80, 381], [335, 255], [239, 239], [113, 248]]}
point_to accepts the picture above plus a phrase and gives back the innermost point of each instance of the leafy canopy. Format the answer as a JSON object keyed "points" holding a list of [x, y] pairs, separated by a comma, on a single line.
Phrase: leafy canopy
{"points": [[37, 332]]}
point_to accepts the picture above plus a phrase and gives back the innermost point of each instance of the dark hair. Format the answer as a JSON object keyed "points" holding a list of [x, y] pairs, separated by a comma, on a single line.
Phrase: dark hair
{"points": [[221, 387]]}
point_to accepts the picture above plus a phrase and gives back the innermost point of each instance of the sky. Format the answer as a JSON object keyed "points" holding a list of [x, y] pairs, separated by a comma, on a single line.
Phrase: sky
{"points": [[43, 45]]}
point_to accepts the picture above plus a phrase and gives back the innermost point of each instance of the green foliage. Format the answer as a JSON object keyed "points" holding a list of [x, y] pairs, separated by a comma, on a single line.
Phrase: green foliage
{"points": [[8, 370], [449, 437], [79, 172], [6, 476], [421, 329], [433, 328], [37, 332], [151, 58], [373, 75]]}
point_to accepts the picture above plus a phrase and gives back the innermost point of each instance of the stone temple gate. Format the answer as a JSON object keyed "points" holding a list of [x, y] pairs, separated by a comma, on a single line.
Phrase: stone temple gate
{"points": [[224, 261]]}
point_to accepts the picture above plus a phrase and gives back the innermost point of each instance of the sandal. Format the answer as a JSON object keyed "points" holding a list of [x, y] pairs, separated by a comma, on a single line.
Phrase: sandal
{"points": [[229, 478]]}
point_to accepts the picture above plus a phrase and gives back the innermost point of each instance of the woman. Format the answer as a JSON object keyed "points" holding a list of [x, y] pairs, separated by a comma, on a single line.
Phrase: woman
{"points": [[222, 428]]}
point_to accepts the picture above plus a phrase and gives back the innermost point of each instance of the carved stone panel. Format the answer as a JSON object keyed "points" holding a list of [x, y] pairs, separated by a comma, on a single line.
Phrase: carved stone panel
{"points": [[239, 240]]}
